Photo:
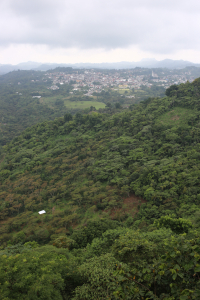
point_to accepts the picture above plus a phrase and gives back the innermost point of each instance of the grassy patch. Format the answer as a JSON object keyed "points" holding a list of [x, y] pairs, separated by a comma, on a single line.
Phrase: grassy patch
{"points": [[50, 101], [122, 91], [83, 104], [176, 116]]}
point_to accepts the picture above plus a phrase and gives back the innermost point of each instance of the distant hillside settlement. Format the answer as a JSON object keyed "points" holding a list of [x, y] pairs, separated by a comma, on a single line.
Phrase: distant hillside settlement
{"points": [[96, 81]]}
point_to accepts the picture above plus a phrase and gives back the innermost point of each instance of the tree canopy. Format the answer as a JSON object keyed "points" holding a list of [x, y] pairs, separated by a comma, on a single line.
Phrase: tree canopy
{"points": [[121, 192]]}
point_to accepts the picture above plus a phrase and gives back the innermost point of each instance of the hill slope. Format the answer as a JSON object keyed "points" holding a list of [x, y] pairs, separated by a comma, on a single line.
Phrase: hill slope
{"points": [[18, 108], [70, 168], [91, 173]]}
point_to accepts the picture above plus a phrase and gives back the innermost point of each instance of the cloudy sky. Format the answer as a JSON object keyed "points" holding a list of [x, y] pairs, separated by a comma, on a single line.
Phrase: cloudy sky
{"points": [[98, 30]]}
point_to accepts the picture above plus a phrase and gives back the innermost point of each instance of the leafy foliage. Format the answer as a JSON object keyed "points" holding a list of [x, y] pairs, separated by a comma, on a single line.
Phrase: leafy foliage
{"points": [[177, 225], [86, 171]]}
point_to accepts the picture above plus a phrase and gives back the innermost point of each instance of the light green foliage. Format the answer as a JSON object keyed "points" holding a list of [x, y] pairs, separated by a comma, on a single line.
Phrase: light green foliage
{"points": [[32, 275], [100, 280], [177, 225]]}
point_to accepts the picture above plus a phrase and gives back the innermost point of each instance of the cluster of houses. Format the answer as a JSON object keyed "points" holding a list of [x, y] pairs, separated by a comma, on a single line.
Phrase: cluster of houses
{"points": [[168, 80], [92, 81]]}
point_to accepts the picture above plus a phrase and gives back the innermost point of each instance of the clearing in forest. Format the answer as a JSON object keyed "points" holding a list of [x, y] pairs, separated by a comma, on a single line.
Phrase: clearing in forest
{"points": [[83, 104], [176, 116]]}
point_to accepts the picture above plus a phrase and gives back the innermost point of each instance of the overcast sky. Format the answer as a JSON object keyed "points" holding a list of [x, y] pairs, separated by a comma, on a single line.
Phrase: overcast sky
{"points": [[98, 30]]}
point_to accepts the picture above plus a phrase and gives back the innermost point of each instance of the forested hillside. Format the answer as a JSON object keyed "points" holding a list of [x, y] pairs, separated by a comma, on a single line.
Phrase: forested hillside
{"points": [[18, 110], [31, 97], [121, 193]]}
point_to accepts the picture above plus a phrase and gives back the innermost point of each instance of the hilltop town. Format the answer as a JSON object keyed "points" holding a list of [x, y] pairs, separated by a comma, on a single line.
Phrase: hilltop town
{"points": [[94, 81]]}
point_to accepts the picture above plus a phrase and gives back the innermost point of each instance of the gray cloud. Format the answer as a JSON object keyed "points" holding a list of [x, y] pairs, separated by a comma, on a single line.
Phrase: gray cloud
{"points": [[152, 25]]}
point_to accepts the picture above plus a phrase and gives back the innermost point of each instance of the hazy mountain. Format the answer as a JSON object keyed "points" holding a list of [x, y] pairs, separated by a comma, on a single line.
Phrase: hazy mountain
{"points": [[22, 66], [28, 65], [144, 63], [6, 68]]}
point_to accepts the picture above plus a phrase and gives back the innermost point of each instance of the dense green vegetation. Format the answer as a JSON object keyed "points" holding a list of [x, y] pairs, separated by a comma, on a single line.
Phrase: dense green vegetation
{"points": [[19, 110], [122, 198]]}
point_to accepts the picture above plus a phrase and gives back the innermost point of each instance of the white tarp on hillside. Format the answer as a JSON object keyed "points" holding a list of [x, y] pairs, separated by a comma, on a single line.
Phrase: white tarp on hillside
{"points": [[42, 212]]}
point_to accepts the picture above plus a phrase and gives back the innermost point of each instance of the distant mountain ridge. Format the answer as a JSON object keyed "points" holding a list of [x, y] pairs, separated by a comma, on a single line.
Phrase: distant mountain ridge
{"points": [[144, 63]]}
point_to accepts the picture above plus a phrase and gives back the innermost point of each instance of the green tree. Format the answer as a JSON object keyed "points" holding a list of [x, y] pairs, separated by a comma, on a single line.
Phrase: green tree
{"points": [[117, 105], [68, 117], [179, 226]]}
